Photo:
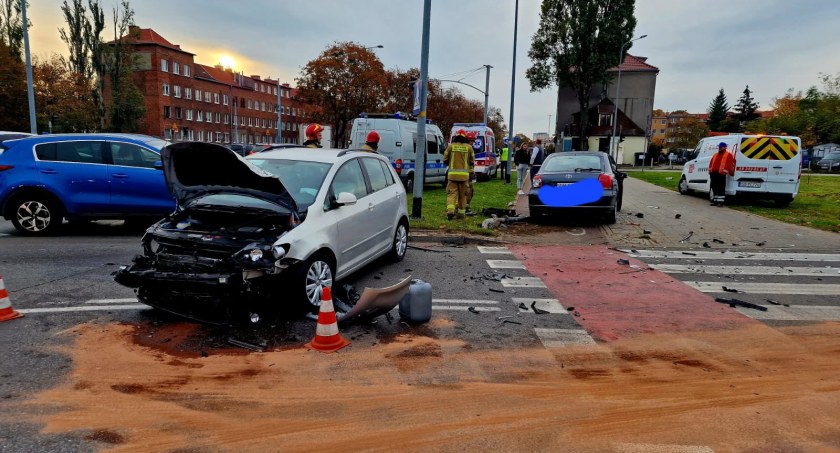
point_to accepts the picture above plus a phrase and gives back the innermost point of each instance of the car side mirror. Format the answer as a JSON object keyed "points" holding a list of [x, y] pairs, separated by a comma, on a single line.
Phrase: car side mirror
{"points": [[346, 199], [158, 165]]}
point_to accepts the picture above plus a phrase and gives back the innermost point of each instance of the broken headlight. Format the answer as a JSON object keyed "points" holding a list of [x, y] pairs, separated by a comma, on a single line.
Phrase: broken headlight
{"points": [[279, 251], [255, 254]]}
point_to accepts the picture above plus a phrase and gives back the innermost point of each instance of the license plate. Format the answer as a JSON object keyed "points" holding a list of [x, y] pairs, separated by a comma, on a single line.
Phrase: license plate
{"points": [[563, 184], [756, 185]]}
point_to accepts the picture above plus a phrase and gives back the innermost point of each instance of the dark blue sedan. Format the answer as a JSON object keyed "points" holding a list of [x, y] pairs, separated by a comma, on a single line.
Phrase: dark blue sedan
{"points": [[45, 179]]}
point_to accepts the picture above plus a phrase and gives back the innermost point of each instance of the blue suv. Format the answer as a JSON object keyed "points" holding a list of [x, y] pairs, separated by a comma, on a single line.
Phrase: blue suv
{"points": [[44, 179]]}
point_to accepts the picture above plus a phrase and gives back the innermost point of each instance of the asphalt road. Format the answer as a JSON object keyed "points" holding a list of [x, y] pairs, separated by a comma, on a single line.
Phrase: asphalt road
{"points": [[64, 281]]}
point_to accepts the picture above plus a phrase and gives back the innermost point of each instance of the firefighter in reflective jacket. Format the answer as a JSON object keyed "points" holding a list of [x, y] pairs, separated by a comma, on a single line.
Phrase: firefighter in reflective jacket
{"points": [[313, 136], [721, 165], [471, 136], [459, 156]]}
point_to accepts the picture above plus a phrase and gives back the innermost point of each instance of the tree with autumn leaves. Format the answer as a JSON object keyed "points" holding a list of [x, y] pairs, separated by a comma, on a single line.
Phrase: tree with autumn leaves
{"points": [[347, 79]]}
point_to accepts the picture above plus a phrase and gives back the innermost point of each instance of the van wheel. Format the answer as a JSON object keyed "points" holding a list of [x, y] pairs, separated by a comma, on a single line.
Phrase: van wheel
{"points": [[783, 202], [683, 186]]}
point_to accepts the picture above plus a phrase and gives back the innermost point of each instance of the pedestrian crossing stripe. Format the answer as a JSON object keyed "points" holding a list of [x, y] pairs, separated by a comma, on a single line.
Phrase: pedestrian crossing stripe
{"points": [[767, 288], [817, 313], [772, 148], [747, 270], [731, 255]]}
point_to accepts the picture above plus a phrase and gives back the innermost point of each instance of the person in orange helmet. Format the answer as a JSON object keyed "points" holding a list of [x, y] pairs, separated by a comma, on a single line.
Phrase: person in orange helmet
{"points": [[371, 142], [313, 136]]}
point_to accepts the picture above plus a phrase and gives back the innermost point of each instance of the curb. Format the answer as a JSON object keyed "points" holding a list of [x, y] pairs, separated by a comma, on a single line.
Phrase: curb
{"points": [[451, 239]]}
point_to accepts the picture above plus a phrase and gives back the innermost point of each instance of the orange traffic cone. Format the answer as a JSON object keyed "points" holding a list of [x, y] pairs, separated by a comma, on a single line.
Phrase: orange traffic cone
{"points": [[327, 338], [7, 313]]}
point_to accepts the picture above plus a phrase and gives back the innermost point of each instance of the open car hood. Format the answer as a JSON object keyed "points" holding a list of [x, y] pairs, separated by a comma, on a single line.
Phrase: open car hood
{"points": [[194, 169]]}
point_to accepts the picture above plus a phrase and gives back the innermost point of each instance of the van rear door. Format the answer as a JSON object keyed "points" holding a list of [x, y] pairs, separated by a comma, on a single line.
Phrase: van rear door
{"points": [[768, 164]]}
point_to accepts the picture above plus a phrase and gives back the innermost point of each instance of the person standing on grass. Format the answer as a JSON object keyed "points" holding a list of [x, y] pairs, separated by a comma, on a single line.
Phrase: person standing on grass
{"points": [[721, 165], [521, 159]]}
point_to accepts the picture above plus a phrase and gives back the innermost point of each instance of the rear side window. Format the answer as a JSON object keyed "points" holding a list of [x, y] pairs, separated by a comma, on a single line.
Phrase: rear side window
{"points": [[45, 151], [389, 178], [375, 173], [81, 151]]}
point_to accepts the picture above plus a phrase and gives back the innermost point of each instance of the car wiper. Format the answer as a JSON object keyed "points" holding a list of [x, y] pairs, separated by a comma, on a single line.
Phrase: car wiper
{"points": [[587, 169]]}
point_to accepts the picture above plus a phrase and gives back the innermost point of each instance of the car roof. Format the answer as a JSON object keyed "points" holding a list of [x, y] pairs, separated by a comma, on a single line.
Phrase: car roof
{"points": [[46, 138], [325, 155]]}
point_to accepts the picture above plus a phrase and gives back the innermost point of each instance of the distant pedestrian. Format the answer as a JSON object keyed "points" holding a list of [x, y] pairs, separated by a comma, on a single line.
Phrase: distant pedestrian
{"points": [[721, 165], [313, 136], [371, 142], [503, 159], [537, 156], [521, 159]]}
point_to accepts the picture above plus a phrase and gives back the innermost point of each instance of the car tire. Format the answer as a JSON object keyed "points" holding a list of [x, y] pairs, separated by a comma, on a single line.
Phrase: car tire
{"points": [[317, 272], [610, 216], [399, 245], [536, 212], [682, 187], [783, 202], [36, 215]]}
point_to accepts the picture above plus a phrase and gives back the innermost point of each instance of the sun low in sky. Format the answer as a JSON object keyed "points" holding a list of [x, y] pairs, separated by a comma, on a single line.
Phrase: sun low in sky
{"points": [[227, 61]]}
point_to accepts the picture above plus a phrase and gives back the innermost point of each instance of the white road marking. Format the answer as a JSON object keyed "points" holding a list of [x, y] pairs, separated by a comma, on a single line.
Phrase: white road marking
{"points": [[523, 282], [550, 305], [767, 288], [794, 313], [462, 308], [112, 301], [560, 338], [85, 308], [4, 234], [465, 301], [494, 250], [505, 264], [574, 232], [746, 270], [733, 255]]}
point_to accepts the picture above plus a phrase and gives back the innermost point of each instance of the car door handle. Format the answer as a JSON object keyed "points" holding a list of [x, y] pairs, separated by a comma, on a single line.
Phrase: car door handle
{"points": [[778, 166], [370, 207], [49, 172], [119, 175]]}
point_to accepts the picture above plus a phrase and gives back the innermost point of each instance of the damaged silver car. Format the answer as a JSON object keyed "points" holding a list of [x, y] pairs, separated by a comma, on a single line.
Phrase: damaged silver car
{"points": [[265, 234]]}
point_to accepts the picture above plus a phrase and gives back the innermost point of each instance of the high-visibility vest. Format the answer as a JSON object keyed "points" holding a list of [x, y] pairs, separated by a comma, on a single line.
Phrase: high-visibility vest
{"points": [[504, 156], [459, 157], [722, 161]]}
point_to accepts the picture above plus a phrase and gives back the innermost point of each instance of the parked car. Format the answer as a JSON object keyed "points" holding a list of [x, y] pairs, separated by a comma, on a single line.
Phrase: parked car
{"points": [[253, 236], [830, 163], [46, 178], [569, 168]]}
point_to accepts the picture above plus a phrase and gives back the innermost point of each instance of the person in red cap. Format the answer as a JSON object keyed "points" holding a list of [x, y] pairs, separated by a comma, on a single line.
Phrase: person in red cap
{"points": [[313, 136], [371, 142]]}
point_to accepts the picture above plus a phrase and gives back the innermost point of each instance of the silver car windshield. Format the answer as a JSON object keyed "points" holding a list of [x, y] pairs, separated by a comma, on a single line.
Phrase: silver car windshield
{"points": [[302, 179]]}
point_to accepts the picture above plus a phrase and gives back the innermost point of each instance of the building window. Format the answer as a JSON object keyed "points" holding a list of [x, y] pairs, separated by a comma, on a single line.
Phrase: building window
{"points": [[274, 90], [216, 98], [249, 121], [208, 117], [197, 94], [207, 96], [241, 120], [225, 100], [188, 93], [663, 122], [218, 137], [262, 88], [662, 131], [218, 117], [177, 91], [605, 119], [176, 68], [189, 115], [227, 137], [187, 74], [288, 111], [167, 112], [189, 133], [199, 116], [164, 65], [263, 106], [250, 104], [227, 118], [166, 89], [178, 112]]}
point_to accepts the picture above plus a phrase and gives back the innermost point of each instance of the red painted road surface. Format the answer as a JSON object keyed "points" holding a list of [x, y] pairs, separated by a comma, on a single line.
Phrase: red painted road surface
{"points": [[617, 301]]}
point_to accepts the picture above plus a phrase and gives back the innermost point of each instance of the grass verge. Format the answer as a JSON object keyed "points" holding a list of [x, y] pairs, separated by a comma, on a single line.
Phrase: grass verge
{"points": [[488, 194], [817, 205]]}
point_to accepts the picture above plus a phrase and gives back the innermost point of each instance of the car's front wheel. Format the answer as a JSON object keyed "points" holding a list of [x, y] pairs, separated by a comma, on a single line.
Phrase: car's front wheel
{"points": [[683, 186], [400, 243], [314, 275], [36, 215]]}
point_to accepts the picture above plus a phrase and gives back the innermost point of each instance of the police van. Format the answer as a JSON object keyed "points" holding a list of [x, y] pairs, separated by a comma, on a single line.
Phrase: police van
{"points": [[398, 142], [484, 146], [766, 166]]}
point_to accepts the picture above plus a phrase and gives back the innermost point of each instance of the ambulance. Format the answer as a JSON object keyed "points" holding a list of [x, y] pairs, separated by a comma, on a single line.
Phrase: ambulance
{"points": [[398, 142], [766, 167], [484, 145]]}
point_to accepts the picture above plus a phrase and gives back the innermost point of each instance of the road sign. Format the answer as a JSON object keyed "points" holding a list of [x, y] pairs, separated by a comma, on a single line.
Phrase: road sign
{"points": [[506, 141]]}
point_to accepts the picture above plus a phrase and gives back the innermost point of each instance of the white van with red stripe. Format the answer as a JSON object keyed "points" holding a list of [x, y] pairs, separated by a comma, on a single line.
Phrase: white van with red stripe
{"points": [[766, 166]]}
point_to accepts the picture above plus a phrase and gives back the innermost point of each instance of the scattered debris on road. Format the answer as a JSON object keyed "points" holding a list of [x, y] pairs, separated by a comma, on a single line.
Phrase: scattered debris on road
{"points": [[706, 245], [522, 306], [426, 249], [247, 345], [472, 310], [718, 241], [538, 311], [776, 303], [497, 290], [623, 261], [677, 216], [735, 302], [508, 321], [730, 290], [640, 215], [689, 253]]}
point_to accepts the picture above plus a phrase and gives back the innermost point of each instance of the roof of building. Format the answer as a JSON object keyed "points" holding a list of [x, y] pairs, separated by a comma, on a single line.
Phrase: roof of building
{"points": [[149, 36], [633, 63]]}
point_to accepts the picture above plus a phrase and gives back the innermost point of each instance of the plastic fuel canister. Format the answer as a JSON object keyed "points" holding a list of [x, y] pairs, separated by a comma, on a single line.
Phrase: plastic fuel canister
{"points": [[416, 306]]}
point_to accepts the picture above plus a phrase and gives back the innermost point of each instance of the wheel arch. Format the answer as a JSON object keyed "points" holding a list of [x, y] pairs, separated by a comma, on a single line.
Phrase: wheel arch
{"points": [[8, 205]]}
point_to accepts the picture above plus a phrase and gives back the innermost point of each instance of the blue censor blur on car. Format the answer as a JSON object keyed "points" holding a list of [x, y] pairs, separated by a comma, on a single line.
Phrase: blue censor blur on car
{"points": [[45, 179], [577, 182]]}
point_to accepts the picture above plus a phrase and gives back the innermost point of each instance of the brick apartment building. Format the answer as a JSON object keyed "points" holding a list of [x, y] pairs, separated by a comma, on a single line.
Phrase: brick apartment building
{"points": [[189, 101]]}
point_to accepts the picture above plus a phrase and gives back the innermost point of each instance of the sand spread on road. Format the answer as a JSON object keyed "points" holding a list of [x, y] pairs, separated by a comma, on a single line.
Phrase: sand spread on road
{"points": [[752, 389]]}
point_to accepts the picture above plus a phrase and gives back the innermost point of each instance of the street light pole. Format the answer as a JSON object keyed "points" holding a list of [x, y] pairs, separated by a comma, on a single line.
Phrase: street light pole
{"points": [[279, 111], [512, 91], [613, 142], [33, 124], [420, 161], [486, 91]]}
